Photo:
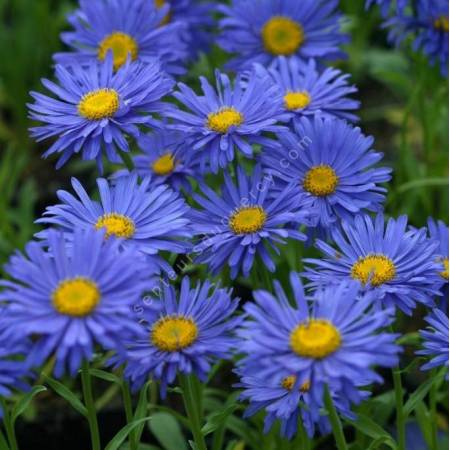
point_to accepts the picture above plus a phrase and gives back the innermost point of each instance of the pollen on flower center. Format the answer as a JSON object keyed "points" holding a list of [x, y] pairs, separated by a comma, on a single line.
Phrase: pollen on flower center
{"points": [[222, 120], [376, 268], [315, 338], [247, 220], [164, 165], [444, 273], [116, 225], [121, 45], [174, 333], [289, 382], [76, 297], [296, 100], [282, 35], [321, 180], [441, 24], [99, 104]]}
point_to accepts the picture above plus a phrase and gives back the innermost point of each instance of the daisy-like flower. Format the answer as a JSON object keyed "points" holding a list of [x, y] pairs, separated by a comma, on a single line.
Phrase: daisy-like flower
{"points": [[150, 218], [70, 299], [246, 220], [438, 231], [430, 28], [435, 340], [182, 333], [166, 158], [308, 91], [197, 16], [127, 29], [13, 371], [96, 108], [284, 399], [259, 31], [331, 162], [397, 264], [335, 338], [229, 118]]}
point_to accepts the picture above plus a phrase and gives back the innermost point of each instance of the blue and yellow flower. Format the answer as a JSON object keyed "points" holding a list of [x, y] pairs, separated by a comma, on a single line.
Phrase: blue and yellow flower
{"points": [[182, 333], [229, 118], [129, 29], [308, 91], [71, 298], [146, 217], [246, 220], [298, 344], [259, 31], [397, 264], [331, 164], [97, 108]]}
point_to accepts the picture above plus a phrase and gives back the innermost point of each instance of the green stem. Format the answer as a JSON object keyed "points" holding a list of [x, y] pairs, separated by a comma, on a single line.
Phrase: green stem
{"points": [[90, 405], [9, 427], [3, 444], [336, 424], [128, 405], [398, 388], [433, 416], [191, 405]]}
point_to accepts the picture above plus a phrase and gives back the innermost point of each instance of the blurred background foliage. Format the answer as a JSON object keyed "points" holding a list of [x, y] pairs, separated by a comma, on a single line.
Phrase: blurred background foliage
{"points": [[404, 106]]}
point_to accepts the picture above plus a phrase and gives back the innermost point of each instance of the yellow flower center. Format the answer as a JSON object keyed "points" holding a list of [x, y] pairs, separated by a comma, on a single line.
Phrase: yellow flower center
{"points": [[116, 224], [282, 36], [321, 181], [379, 269], [296, 100], [247, 220], [99, 104], [444, 273], [222, 120], [441, 24], [121, 44], [164, 165], [76, 297], [166, 19], [174, 333], [289, 382], [315, 338]]}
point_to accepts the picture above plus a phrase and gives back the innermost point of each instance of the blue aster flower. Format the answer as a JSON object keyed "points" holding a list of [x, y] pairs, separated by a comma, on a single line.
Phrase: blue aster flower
{"points": [[438, 231], [331, 162], [127, 29], [284, 399], [246, 220], [166, 158], [435, 340], [71, 298], [335, 337], [230, 118], [96, 109], [148, 218], [259, 31], [182, 333], [429, 25], [13, 366], [307, 91], [397, 264], [197, 16]]}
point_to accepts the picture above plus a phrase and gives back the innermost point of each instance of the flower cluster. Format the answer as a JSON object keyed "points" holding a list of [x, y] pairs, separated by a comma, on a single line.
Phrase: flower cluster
{"points": [[234, 181]]}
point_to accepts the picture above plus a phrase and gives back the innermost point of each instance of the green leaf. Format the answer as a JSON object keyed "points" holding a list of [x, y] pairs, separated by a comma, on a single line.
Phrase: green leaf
{"points": [[193, 445], [419, 394], [140, 447], [66, 394], [167, 431], [118, 439], [23, 403], [377, 443], [104, 375], [216, 419], [368, 427]]}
